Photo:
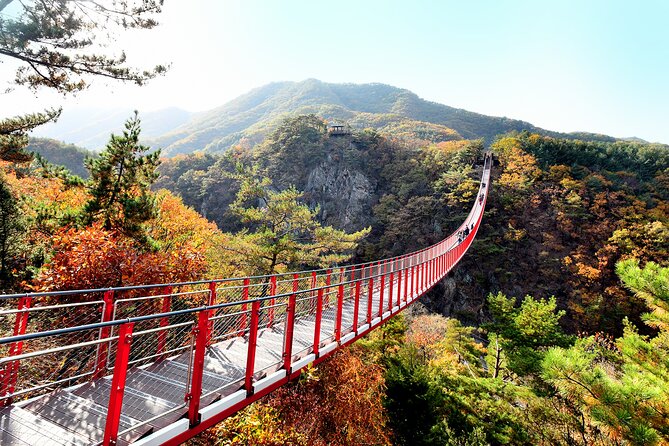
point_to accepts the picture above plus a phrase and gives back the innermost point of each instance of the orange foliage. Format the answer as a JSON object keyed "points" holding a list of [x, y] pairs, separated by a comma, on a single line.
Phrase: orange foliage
{"points": [[96, 258], [178, 226], [341, 404], [426, 331], [38, 191]]}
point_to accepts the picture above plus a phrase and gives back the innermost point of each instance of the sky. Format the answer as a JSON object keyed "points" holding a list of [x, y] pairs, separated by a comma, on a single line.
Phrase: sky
{"points": [[598, 66]]}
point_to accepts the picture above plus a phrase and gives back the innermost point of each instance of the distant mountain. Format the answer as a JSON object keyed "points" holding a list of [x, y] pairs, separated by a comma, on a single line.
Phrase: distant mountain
{"points": [[634, 139], [90, 127], [251, 116]]}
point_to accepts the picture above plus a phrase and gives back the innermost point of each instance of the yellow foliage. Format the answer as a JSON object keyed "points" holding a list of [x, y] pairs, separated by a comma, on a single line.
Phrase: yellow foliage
{"points": [[36, 192], [520, 168]]}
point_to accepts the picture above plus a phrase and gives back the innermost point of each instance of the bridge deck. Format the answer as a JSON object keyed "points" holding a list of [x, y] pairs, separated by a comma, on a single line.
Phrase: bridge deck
{"points": [[77, 415], [164, 399]]}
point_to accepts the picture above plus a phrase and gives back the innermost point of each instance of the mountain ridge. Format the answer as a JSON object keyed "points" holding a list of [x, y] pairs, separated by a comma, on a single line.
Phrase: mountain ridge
{"points": [[250, 117]]}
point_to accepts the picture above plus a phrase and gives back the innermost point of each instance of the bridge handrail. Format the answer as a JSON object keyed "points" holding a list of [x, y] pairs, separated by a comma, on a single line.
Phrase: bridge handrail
{"points": [[56, 293], [420, 266]]}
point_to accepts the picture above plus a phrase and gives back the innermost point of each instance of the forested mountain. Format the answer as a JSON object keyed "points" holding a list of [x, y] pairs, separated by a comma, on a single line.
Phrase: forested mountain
{"points": [[67, 155], [250, 117], [548, 195]]}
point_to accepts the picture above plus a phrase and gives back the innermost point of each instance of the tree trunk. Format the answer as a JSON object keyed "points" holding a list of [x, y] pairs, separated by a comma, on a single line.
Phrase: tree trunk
{"points": [[498, 357]]}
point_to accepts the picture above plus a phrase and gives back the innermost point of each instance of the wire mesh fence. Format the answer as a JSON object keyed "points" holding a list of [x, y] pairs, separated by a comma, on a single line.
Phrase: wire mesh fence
{"points": [[44, 364], [72, 340]]}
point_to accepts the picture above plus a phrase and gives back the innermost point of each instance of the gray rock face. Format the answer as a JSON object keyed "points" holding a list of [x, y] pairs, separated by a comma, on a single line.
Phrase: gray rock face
{"points": [[449, 299], [346, 196]]}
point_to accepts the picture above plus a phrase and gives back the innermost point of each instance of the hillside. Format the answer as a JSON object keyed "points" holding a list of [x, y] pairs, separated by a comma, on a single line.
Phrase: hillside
{"points": [[67, 155], [250, 117]]}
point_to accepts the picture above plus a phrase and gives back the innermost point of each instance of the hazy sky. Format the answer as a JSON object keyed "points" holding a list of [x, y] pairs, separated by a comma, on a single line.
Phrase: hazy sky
{"points": [[600, 66]]}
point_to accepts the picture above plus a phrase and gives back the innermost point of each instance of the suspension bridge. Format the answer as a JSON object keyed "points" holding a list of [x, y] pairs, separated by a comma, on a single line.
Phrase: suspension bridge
{"points": [[158, 364]]}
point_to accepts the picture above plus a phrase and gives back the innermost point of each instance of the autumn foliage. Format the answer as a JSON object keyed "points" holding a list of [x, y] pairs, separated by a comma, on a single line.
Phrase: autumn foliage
{"points": [[93, 257], [339, 403]]}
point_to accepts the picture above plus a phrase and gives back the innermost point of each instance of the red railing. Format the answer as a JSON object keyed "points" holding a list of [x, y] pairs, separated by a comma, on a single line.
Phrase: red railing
{"points": [[121, 333]]}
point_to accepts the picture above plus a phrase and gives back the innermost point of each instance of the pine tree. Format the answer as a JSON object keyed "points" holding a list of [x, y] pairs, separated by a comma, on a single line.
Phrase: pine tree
{"points": [[14, 134], [522, 334], [11, 229], [284, 233], [61, 44], [120, 183], [622, 386]]}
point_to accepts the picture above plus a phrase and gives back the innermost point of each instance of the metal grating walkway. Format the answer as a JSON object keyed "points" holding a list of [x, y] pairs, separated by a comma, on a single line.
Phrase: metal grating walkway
{"points": [[76, 415]]}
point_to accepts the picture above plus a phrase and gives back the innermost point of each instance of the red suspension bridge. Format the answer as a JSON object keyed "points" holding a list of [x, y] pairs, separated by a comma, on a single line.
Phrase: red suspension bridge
{"points": [[158, 364]]}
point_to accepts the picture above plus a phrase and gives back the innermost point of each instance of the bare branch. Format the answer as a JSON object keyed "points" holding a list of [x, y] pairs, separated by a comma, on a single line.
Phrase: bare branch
{"points": [[50, 37]]}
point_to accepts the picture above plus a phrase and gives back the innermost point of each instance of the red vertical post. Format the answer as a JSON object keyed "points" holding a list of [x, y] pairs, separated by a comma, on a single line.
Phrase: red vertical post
{"points": [[211, 301], [11, 371], [253, 342], [370, 297], [430, 271], [118, 384], [390, 288], [328, 282], [243, 318], [103, 349], [195, 389], [413, 281], [288, 337], [317, 322], [406, 283], [416, 282], [399, 284], [340, 309], [312, 303], [164, 321], [382, 288], [296, 285], [356, 308], [420, 277], [272, 301], [422, 273]]}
